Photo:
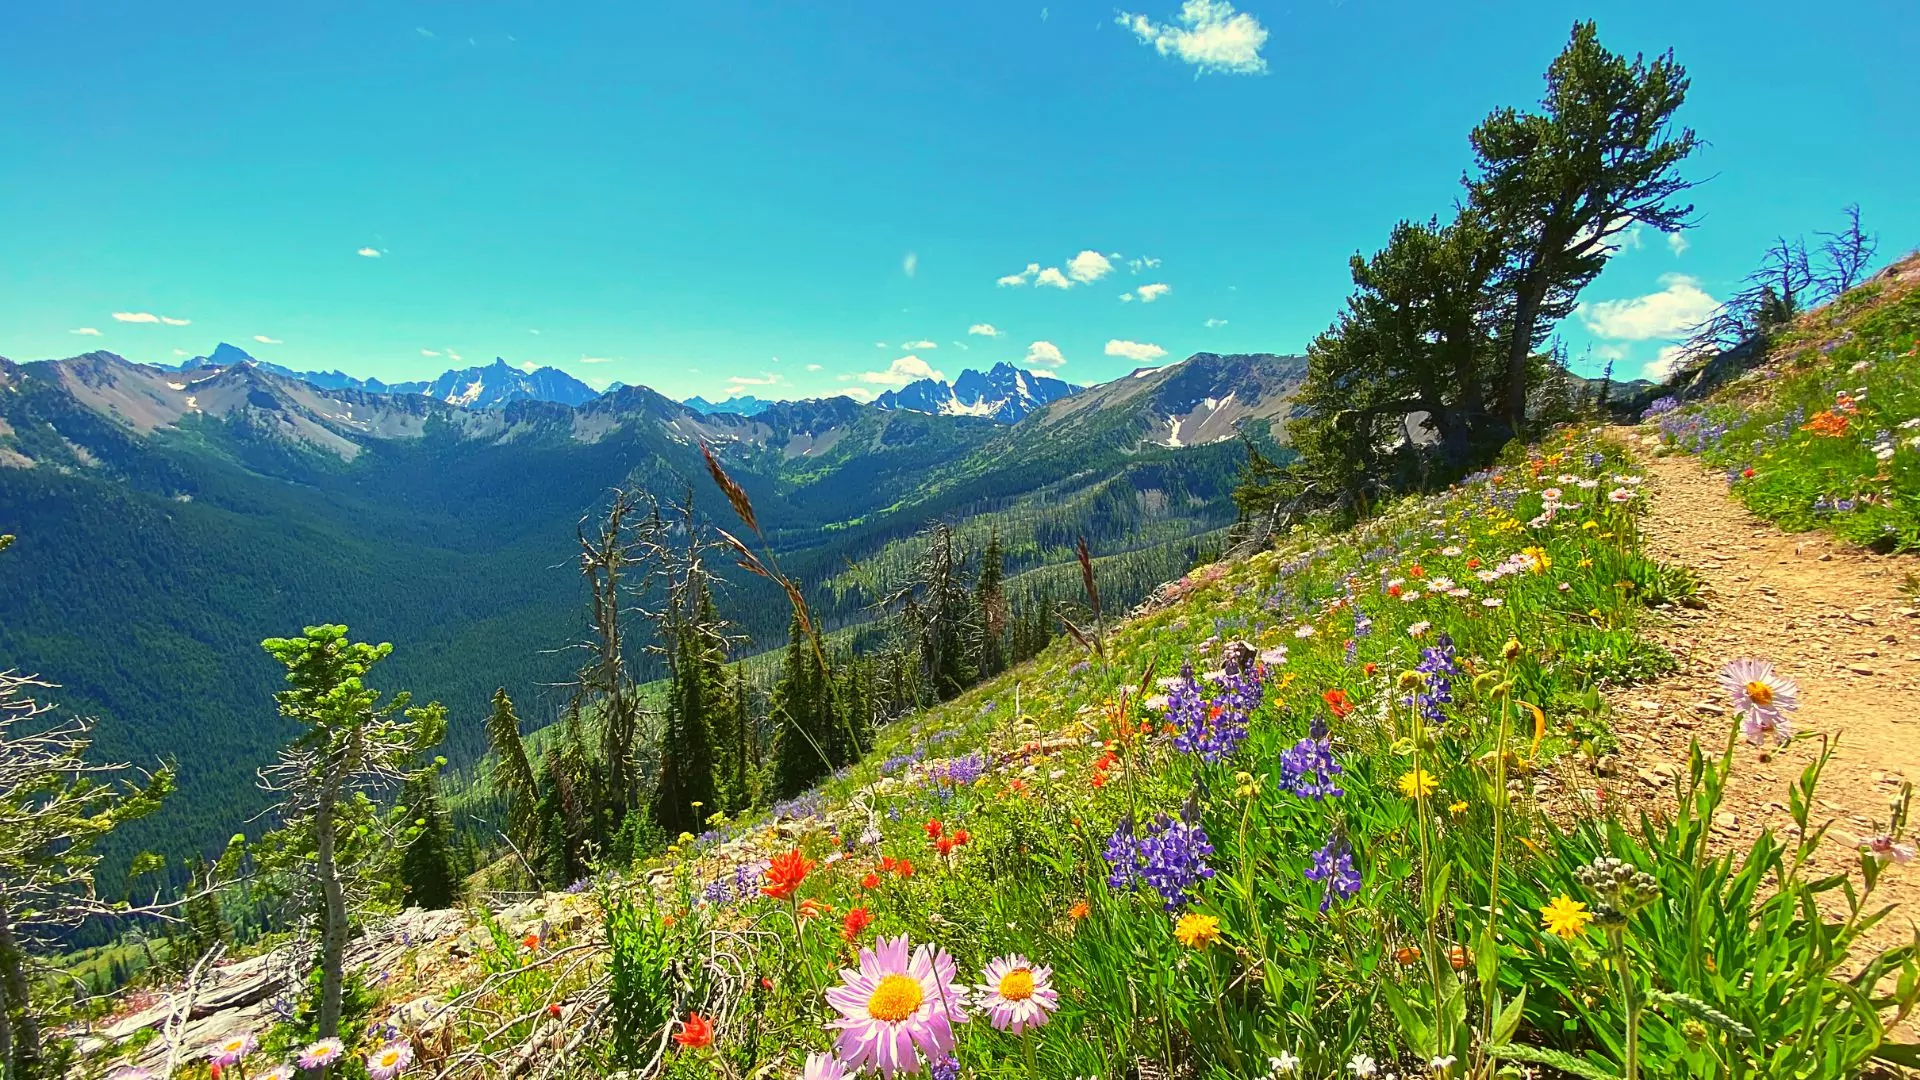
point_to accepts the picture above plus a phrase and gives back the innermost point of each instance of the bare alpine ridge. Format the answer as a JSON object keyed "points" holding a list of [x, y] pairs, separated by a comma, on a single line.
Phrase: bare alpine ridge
{"points": [[1004, 393]]}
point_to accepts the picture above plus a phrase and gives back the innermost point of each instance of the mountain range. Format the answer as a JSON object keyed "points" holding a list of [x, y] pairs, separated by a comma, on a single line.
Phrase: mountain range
{"points": [[1004, 393], [170, 519]]}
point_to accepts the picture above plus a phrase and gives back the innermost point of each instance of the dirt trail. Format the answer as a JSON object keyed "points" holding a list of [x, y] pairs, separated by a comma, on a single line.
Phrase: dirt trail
{"points": [[1831, 616]]}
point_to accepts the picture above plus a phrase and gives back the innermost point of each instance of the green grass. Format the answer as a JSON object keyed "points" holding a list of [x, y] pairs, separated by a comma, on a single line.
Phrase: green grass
{"points": [[1825, 434]]}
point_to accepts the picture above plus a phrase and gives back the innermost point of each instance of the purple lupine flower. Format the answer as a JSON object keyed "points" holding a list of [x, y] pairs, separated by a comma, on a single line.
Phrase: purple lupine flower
{"points": [[946, 1068], [1307, 769], [1436, 663], [1213, 727], [1170, 859], [1333, 867]]}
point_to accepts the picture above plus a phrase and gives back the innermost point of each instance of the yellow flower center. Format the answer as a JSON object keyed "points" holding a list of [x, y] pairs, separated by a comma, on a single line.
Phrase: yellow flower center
{"points": [[896, 998], [389, 1058], [1760, 693], [1017, 985]]}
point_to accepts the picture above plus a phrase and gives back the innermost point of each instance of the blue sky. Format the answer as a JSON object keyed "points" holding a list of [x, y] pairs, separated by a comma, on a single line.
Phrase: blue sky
{"points": [[680, 194]]}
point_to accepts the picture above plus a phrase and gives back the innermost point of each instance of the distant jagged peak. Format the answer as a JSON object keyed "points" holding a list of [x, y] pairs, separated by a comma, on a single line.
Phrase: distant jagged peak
{"points": [[1003, 392]]}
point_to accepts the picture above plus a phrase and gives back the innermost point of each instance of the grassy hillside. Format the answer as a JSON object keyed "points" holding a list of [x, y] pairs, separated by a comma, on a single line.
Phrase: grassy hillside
{"points": [[1824, 431], [1333, 807]]}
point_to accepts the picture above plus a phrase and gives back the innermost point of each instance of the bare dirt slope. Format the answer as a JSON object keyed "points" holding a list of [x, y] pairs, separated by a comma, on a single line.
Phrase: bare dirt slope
{"points": [[1836, 618]]}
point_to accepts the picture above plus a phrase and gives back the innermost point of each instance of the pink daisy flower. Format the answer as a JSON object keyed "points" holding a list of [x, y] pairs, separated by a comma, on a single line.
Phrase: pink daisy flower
{"points": [[230, 1050], [824, 1067], [389, 1061], [1016, 994], [321, 1054], [1884, 849], [278, 1072], [895, 1003], [1762, 698]]}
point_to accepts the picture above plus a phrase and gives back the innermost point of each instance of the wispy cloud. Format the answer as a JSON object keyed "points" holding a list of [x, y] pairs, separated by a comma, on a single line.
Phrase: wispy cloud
{"points": [[596, 359], [148, 317], [901, 372], [1215, 323], [1044, 354], [739, 383], [1138, 351], [1208, 34], [857, 393], [424, 32], [983, 329], [1677, 243], [265, 340], [1680, 305], [1022, 277], [84, 331], [1149, 293], [1088, 267], [813, 367], [369, 253], [911, 264], [918, 345], [429, 352], [879, 344], [1144, 262], [453, 356]]}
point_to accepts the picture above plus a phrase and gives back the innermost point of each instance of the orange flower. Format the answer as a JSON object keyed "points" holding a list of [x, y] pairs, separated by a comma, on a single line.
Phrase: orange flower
{"points": [[904, 868], [961, 837], [1827, 424], [532, 940], [1369, 667], [553, 1009], [933, 829], [785, 873], [696, 1032], [1457, 956], [1079, 911], [1407, 956], [857, 920], [1473, 562], [871, 881], [1416, 570], [813, 909], [1338, 701]]}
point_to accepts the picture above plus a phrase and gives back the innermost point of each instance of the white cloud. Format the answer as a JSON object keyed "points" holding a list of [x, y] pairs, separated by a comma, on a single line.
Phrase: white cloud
{"points": [[84, 331], [1144, 262], [901, 372], [1149, 293], [1681, 304], [1044, 354], [529, 366], [918, 345], [265, 340], [857, 393], [429, 352], [1662, 365], [1138, 351], [813, 367], [179, 352], [1213, 323], [739, 383], [532, 331], [1022, 277], [135, 316], [1052, 276], [368, 253], [983, 329], [1208, 34], [596, 359], [1126, 298], [1677, 243], [910, 264], [451, 355], [1088, 267]]}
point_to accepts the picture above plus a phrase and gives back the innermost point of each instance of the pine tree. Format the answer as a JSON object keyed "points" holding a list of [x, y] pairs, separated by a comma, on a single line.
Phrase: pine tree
{"points": [[696, 695], [802, 717], [990, 605], [332, 839], [513, 776], [426, 870]]}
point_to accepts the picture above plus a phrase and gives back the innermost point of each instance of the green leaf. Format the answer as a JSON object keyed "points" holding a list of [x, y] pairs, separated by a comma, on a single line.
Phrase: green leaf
{"points": [[1508, 1019], [1566, 1063]]}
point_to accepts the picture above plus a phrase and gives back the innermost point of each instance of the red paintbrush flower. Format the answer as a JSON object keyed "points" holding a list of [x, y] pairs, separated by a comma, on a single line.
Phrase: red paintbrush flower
{"points": [[785, 873], [696, 1032]]}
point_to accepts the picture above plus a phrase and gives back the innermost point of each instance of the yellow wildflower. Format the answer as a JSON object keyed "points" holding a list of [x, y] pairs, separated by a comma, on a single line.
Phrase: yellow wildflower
{"points": [[1246, 785], [1418, 783], [1458, 808], [1197, 931], [1566, 917], [1542, 562]]}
